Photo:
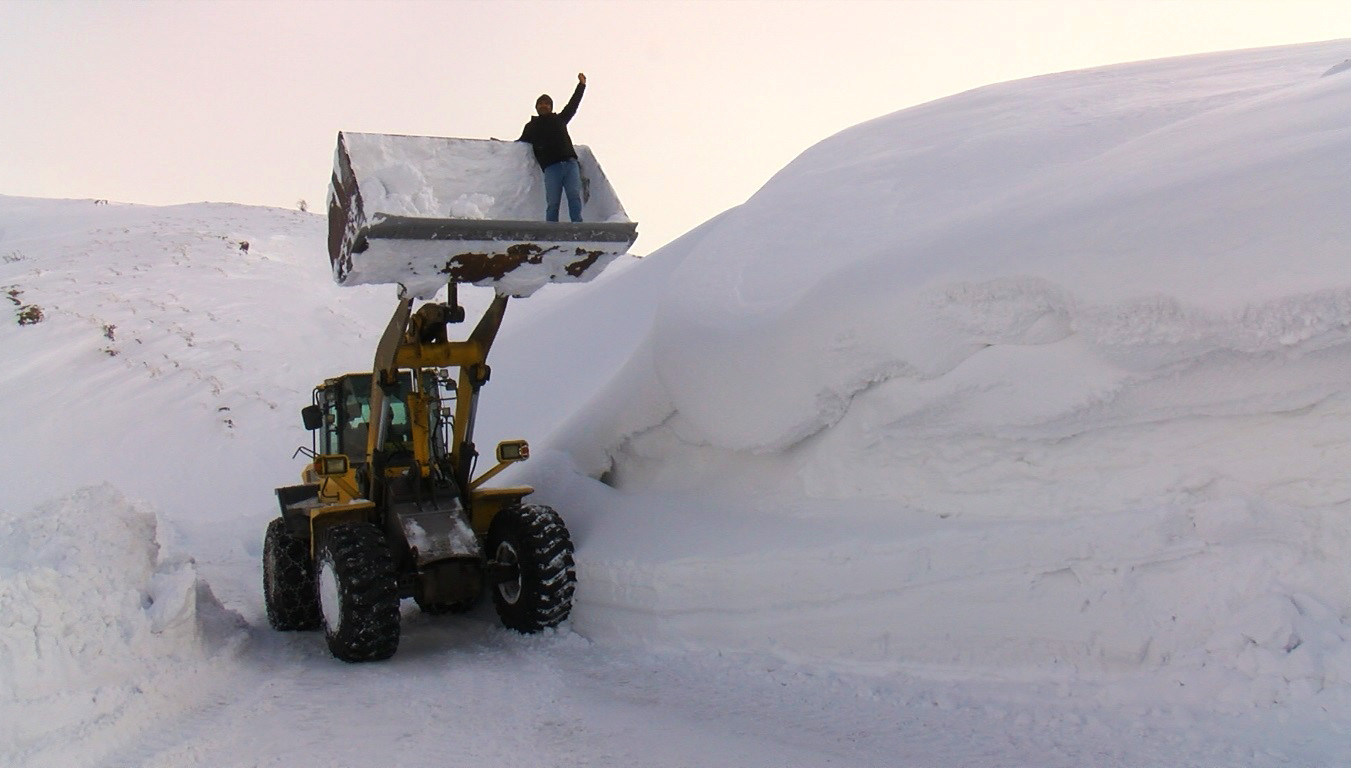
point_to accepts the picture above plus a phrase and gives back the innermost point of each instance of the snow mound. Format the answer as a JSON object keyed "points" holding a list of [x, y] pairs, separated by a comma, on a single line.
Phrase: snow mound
{"points": [[1143, 206], [1047, 378], [94, 608]]}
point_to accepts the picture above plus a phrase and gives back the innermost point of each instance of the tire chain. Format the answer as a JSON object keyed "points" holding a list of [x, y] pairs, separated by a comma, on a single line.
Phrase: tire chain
{"points": [[288, 581]]}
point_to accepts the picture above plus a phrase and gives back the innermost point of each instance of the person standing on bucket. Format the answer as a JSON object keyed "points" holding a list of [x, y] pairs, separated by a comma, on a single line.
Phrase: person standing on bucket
{"points": [[547, 133]]}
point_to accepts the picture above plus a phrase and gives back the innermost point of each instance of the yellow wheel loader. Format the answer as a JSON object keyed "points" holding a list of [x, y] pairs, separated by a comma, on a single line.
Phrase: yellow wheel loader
{"points": [[389, 506]]}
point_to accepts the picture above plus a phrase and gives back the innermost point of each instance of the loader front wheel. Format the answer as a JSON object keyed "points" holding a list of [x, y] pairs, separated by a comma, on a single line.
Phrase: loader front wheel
{"points": [[288, 580], [531, 573], [358, 593]]}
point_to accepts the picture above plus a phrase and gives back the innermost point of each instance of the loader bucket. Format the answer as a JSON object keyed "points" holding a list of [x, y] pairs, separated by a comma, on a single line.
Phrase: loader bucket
{"points": [[422, 211]]}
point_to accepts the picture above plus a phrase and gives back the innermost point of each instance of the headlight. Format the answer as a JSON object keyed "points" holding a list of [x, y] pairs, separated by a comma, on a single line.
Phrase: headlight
{"points": [[513, 450], [330, 465]]}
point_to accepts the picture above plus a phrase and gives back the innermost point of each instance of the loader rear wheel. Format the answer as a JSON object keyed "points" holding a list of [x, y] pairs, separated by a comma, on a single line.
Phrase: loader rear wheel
{"points": [[288, 580], [358, 593], [532, 577]]}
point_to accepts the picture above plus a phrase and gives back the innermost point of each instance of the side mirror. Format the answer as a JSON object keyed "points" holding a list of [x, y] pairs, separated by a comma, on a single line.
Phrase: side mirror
{"points": [[509, 451], [312, 416]]}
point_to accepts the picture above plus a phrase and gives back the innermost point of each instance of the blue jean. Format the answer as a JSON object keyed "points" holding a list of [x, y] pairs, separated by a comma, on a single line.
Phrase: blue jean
{"points": [[564, 176]]}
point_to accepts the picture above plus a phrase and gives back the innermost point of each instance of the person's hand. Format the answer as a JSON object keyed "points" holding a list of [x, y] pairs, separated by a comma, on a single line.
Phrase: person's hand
{"points": [[581, 78]]}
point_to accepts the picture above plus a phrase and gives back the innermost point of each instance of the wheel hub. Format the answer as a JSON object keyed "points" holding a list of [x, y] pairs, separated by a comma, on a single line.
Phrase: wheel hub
{"points": [[507, 573], [330, 601]]}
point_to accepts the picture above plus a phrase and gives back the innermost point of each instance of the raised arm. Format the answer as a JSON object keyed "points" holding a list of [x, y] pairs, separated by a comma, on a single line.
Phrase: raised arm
{"points": [[571, 108]]}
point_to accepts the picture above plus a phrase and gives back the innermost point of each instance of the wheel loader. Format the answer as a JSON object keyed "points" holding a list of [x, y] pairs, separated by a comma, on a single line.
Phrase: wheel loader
{"points": [[389, 505]]}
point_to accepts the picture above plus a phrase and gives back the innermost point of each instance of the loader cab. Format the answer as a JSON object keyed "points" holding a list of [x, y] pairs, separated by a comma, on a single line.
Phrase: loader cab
{"points": [[341, 416]]}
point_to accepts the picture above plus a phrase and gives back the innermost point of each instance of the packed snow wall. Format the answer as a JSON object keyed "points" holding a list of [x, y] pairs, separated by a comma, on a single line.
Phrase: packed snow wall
{"points": [[1050, 376]]}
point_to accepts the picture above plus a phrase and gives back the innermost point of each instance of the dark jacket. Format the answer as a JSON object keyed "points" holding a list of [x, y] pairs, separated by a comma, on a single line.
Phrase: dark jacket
{"points": [[548, 134]]}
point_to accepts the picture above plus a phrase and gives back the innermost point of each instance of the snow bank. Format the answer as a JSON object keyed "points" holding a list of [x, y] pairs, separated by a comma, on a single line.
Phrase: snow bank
{"points": [[1046, 378], [1224, 602], [1126, 206], [97, 608]]}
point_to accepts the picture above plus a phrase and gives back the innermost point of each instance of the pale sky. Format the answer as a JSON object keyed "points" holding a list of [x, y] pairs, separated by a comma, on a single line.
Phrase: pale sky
{"points": [[691, 106]]}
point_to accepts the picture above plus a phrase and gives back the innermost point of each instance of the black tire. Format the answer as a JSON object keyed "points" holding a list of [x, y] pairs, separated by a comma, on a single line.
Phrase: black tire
{"points": [[358, 593], [534, 576], [288, 580]]}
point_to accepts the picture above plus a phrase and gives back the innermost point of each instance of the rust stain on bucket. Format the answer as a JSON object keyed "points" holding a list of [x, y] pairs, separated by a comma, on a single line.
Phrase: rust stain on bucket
{"points": [[473, 267]]}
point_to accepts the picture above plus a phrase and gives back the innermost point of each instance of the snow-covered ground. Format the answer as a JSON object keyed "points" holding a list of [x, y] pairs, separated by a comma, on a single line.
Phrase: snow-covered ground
{"points": [[1011, 429]]}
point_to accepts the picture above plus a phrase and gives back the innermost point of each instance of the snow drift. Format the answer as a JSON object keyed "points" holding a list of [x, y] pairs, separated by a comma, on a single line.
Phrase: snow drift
{"points": [[97, 609], [1046, 376]]}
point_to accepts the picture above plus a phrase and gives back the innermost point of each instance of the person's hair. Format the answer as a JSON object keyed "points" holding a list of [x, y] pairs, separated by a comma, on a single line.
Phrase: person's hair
{"points": [[544, 97]]}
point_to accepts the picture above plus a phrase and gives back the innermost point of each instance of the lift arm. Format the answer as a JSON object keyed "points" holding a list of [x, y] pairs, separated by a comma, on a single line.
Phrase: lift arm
{"points": [[401, 348]]}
